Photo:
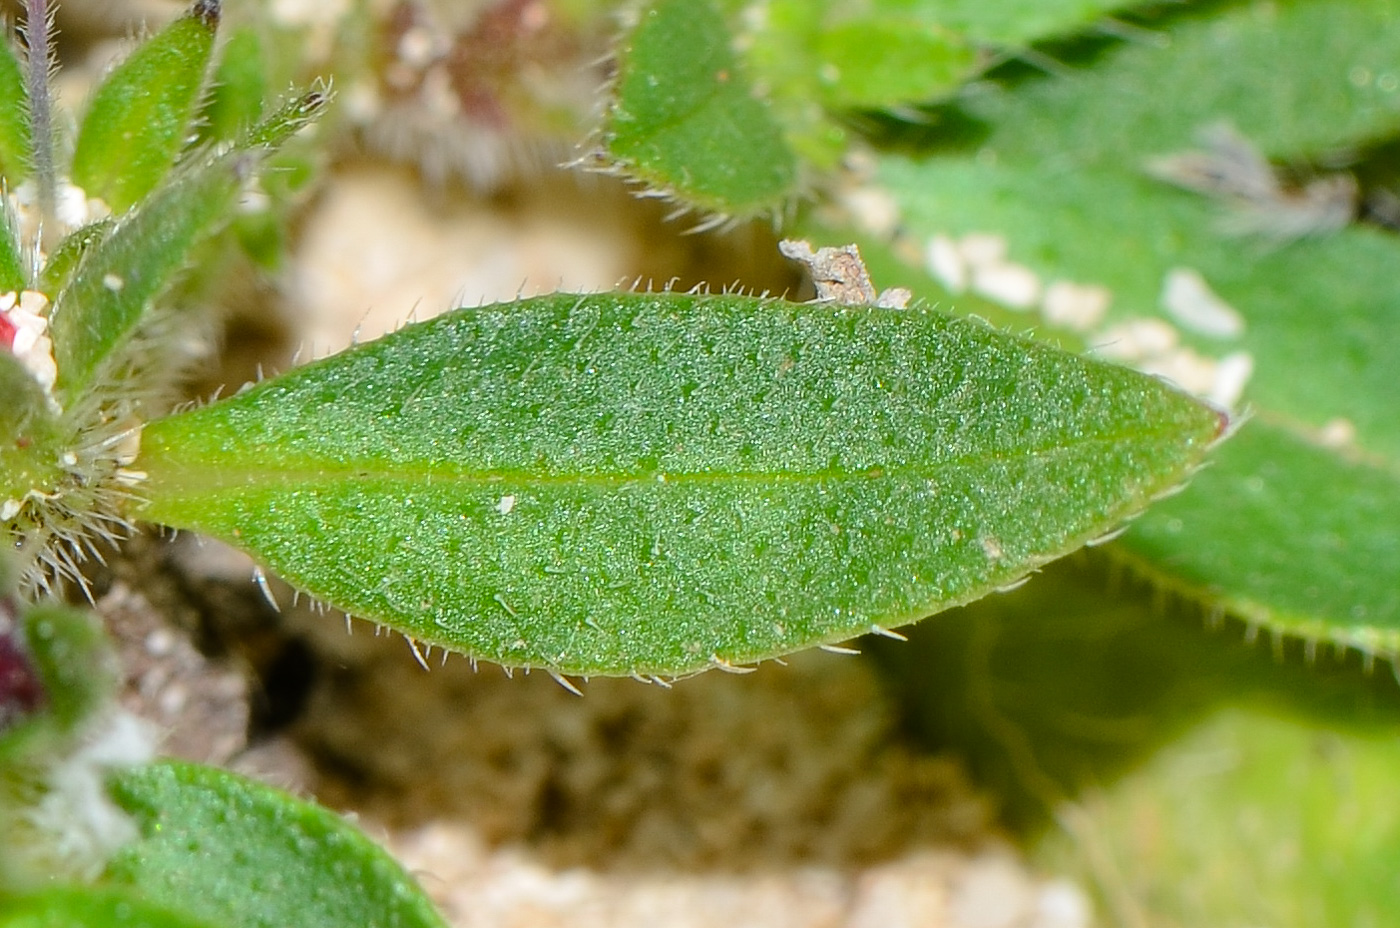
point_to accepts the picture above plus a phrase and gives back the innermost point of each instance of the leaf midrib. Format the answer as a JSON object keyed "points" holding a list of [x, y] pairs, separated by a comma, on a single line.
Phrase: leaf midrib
{"points": [[220, 477]]}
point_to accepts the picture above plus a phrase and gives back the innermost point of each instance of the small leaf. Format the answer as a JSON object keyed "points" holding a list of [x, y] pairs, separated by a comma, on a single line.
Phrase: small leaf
{"points": [[1288, 533], [685, 118], [113, 289], [14, 118], [12, 274], [139, 117], [291, 117], [58, 269], [891, 62], [239, 88], [88, 907], [235, 853], [25, 407], [653, 482]]}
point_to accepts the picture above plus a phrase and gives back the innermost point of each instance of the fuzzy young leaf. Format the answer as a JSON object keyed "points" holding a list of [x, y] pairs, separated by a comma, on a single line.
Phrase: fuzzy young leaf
{"points": [[230, 852], [12, 274], [239, 88], [651, 483], [14, 118], [139, 117], [58, 269], [685, 119], [25, 407], [117, 280]]}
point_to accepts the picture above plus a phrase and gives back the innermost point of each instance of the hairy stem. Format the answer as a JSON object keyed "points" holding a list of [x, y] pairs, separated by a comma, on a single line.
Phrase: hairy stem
{"points": [[38, 27]]}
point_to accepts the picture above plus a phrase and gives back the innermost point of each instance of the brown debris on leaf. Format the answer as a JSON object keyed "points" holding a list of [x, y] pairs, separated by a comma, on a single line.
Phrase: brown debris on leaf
{"points": [[840, 276]]}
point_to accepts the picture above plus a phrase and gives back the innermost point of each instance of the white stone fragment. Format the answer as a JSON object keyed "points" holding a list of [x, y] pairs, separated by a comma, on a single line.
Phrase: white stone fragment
{"points": [[1232, 373], [27, 313], [1080, 307], [874, 209], [1012, 285], [1193, 372], [506, 504], [1189, 300], [944, 261], [1061, 904], [983, 249], [1337, 433], [1137, 339]]}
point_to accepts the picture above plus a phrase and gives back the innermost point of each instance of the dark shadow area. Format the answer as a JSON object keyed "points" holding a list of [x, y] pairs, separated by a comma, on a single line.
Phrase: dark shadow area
{"points": [[1075, 680]]}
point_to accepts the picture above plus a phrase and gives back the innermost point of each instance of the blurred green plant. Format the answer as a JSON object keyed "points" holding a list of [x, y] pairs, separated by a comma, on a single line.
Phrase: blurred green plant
{"points": [[1205, 192]]}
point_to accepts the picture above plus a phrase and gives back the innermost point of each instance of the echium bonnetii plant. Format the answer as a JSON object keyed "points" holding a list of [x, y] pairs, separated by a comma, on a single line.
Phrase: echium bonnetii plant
{"points": [[644, 484]]}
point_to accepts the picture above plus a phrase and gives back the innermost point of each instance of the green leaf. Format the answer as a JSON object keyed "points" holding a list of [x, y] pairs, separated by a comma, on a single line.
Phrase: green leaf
{"points": [[139, 117], [58, 269], [238, 89], [87, 907], [12, 273], [1296, 528], [1310, 79], [1321, 551], [685, 119], [25, 407], [14, 118], [235, 853], [113, 289], [1011, 22], [650, 483], [891, 62]]}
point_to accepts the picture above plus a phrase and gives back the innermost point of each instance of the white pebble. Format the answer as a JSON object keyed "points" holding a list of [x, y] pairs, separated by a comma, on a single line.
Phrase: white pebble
{"points": [[1192, 372], [983, 249], [1337, 433], [506, 504], [945, 262], [1075, 306], [874, 210], [1231, 376], [1061, 904], [1012, 285], [1137, 339], [1189, 300]]}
